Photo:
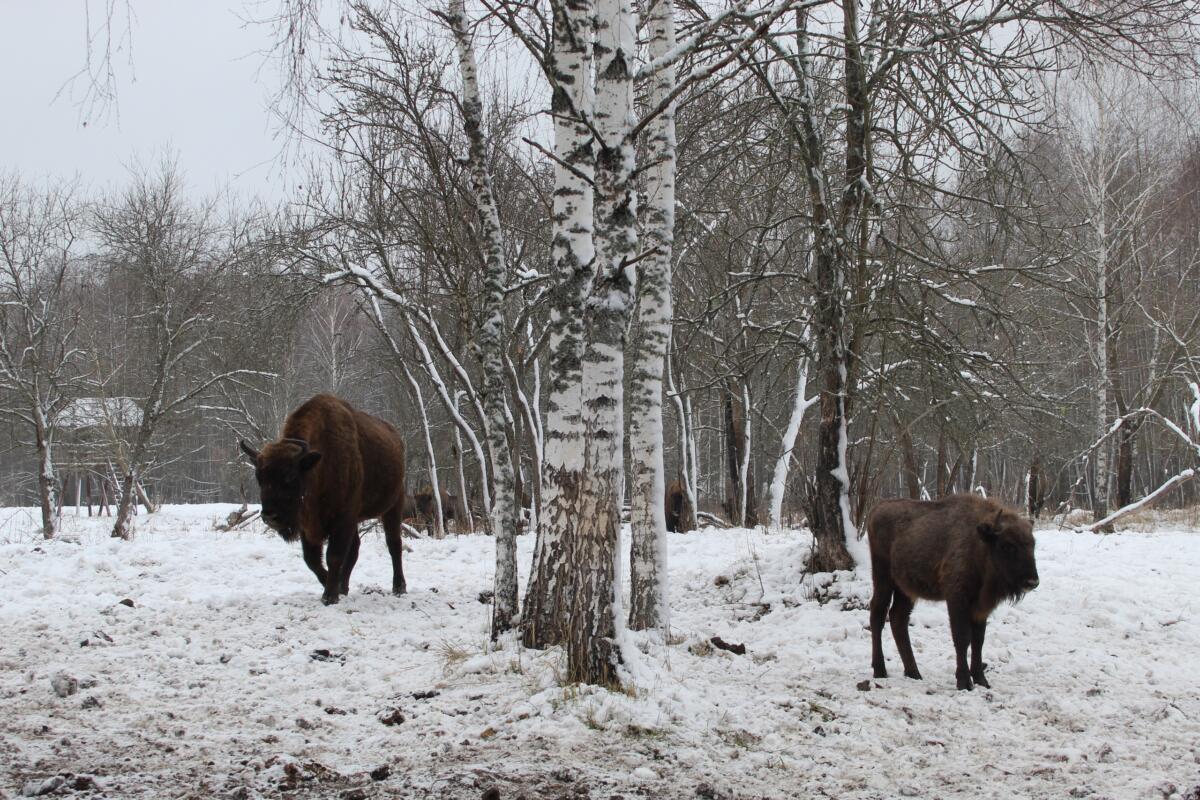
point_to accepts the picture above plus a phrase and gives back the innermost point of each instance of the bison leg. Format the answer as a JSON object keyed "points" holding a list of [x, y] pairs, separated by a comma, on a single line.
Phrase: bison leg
{"points": [[960, 631], [348, 566], [902, 606], [977, 666], [312, 557], [395, 545], [335, 556], [881, 598]]}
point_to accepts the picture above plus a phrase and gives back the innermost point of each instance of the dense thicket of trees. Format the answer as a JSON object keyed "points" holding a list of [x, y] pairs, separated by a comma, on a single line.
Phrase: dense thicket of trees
{"points": [[797, 255]]}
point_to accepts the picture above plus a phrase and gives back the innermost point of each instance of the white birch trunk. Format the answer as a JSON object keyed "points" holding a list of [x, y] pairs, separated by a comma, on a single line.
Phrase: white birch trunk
{"points": [[439, 524], [443, 391], [595, 622], [800, 406], [573, 251], [47, 480], [687, 452], [648, 607], [491, 335]]}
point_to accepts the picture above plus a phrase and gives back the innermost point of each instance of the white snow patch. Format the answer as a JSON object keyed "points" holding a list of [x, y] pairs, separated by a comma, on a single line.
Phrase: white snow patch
{"points": [[227, 674]]}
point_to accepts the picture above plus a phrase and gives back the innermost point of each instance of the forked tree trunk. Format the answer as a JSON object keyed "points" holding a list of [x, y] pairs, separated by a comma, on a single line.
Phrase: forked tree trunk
{"points": [[123, 526], [647, 515], [573, 252], [491, 334]]}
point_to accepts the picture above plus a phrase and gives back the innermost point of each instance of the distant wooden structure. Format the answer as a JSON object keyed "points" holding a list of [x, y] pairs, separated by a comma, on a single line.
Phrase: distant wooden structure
{"points": [[89, 428]]}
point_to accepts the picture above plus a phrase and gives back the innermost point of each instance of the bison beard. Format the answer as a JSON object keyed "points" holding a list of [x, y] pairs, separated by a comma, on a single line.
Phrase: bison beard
{"points": [[971, 552], [332, 468]]}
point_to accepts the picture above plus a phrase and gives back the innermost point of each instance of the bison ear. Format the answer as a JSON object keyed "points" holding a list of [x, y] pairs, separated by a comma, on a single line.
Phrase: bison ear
{"points": [[987, 532], [250, 452], [308, 461]]}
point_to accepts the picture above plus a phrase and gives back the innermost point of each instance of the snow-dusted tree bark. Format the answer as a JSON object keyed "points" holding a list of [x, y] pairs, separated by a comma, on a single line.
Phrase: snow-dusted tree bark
{"points": [[593, 651], [491, 334], [465, 520], [544, 616], [435, 486], [688, 459], [800, 406], [647, 515]]}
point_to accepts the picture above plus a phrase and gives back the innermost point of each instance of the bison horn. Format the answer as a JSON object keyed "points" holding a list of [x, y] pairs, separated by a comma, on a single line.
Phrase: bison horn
{"points": [[303, 445], [248, 450]]}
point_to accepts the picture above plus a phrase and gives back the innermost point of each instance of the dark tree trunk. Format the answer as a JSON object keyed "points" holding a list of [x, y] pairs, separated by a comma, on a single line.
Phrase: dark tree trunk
{"points": [[1126, 439], [912, 471], [941, 463]]}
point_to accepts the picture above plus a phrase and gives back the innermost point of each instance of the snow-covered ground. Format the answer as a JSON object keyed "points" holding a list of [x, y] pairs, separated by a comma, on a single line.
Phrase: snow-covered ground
{"points": [[226, 677]]}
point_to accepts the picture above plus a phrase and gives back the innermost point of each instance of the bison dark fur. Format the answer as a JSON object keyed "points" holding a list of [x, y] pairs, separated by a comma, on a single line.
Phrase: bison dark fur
{"points": [[332, 468], [673, 505], [423, 507], [971, 552]]}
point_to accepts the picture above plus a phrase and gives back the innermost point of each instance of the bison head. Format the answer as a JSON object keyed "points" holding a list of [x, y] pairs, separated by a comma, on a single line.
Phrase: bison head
{"points": [[282, 470], [1009, 538]]}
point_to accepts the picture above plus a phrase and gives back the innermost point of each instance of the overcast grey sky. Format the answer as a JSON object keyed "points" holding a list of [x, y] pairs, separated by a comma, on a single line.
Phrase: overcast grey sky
{"points": [[193, 82]]}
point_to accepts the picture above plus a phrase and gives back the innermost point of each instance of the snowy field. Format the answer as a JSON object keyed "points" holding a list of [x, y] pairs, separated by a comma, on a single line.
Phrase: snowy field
{"points": [[205, 666]]}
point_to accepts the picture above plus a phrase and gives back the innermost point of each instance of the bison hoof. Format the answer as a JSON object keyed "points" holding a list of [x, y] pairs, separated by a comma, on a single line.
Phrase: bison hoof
{"points": [[399, 590], [329, 599], [981, 681], [965, 684], [880, 672], [912, 673]]}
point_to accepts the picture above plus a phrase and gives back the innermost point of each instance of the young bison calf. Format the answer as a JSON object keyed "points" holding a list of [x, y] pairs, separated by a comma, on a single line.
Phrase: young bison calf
{"points": [[971, 552]]}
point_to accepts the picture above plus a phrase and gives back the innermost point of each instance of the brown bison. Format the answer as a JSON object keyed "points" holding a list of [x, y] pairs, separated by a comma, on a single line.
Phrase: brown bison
{"points": [[422, 508], [971, 552], [673, 504], [332, 468]]}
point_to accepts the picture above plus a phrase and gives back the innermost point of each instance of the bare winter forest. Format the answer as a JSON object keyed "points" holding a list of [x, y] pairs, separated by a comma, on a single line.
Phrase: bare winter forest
{"points": [[677, 265]]}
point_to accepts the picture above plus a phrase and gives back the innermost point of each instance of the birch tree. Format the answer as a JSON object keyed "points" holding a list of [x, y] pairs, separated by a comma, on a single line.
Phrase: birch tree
{"points": [[648, 607], [801, 402], [573, 257], [491, 334]]}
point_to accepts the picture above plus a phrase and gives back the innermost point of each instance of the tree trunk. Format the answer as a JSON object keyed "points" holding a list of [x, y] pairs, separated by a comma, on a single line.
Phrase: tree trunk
{"points": [[573, 252], [123, 528], [1126, 442], [491, 335], [740, 496], [47, 482], [439, 519], [829, 507], [800, 405], [911, 469], [941, 463], [647, 516], [593, 649]]}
